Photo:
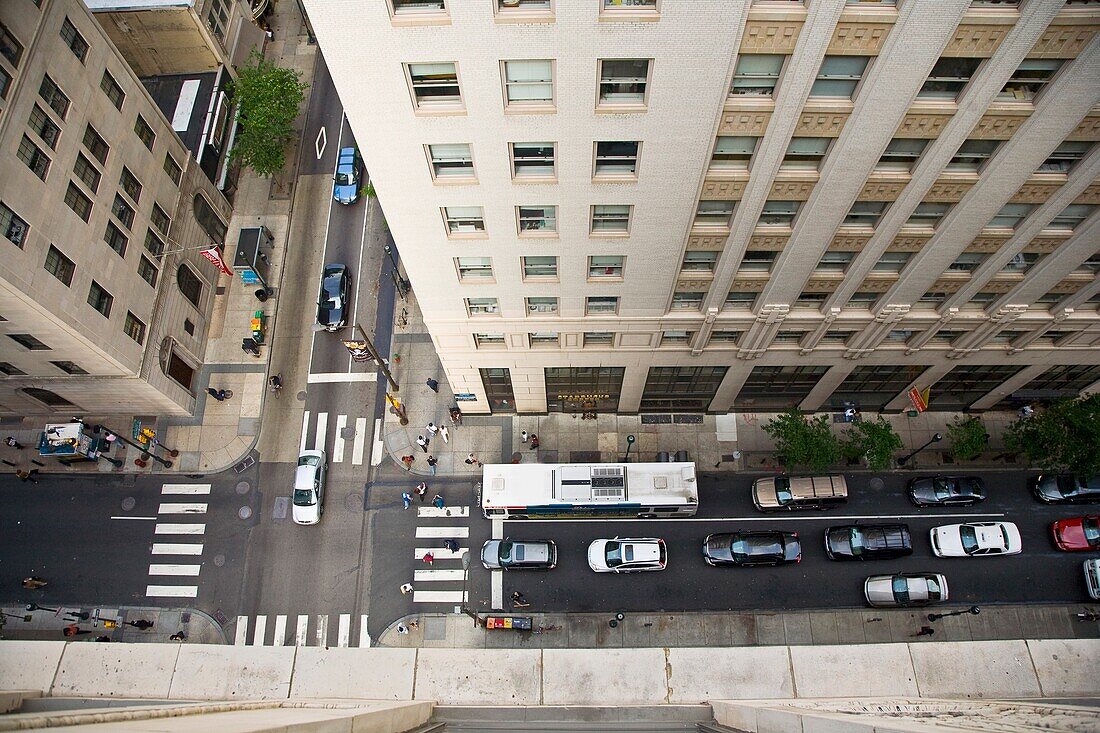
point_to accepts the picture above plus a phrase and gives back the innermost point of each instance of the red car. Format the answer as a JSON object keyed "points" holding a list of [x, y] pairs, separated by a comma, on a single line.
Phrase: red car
{"points": [[1077, 533]]}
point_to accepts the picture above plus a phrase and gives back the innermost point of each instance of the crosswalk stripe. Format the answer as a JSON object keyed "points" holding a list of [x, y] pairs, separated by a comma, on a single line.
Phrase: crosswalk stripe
{"points": [[496, 578], [440, 553], [302, 631], [171, 548], [280, 630], [260, 632], [421, 576], [430, 512], [185, 489], [343, 637], [439, 596], [182, 509], [360, 441], [442, 532], [241, 637], [322, 630], [172, 591], [179, 529], [322, 430], [364, 636], [174, 569], [377, 446], [305, 424], [338, 439]]}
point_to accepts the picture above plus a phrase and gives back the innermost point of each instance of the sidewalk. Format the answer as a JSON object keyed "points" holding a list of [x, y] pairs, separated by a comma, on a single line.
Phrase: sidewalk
{"points": [[49, 621]]}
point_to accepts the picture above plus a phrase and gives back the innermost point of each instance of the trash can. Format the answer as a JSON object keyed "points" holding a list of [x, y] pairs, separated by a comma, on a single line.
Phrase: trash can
{"points": [[662, 457], [682, 456]]}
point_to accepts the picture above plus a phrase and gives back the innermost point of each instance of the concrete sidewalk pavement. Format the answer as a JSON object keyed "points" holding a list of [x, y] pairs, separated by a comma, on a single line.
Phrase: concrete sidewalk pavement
{"points": [[34, 622]]}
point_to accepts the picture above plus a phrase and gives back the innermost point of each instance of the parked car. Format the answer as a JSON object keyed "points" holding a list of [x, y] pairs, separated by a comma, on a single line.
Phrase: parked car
{"points": [[868, 542], [1092, 578], [1077, 533], [976, 539], [946, 490], [627, 555], [309, 487], [508, 554], [1064, 488], [765, 547], [777, 493], [332, 301], [905, 589], [348, 178]]}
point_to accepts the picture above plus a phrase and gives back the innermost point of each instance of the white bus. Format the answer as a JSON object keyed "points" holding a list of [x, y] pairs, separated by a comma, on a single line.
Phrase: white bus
{"points": [[575, 490]]}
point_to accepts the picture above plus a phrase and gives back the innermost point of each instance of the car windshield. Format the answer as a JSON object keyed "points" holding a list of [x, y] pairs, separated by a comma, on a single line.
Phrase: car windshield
{"points": [[309, 460], [613, 553], [505, 552], [783, 491], [855, 539], [1067, 484], [900, 588], [304, 497], [1091, 526], [934, 590], [969, 539], [343, 178], [331, 291]]}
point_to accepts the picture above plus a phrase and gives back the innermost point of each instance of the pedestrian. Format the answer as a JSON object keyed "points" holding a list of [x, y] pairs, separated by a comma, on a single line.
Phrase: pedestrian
{"points": [[406, 498], [73, 630], [471, 460], [534, 442], [422, 442], [25, 476], [33, 583], [31, 474], [438, 501], [13, 443], [1025, 411], [178, 636], [450, 544], [408, 461], [406, 588], [402, 629], [429, 558], [142, 623], [519, 600], [214, 393], [431, 463], [456, 416], [524, 436], [414, 624], [432, 385], [432, 430], [103, 638], [445, 433], [421, 490], [925, 631]]}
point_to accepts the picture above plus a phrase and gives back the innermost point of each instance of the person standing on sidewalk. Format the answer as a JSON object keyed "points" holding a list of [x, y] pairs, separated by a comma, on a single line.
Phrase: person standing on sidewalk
{"points": [[456, 416], [534, 442], [408, 461], [432, 385], [406, 588], [524, 436], [422, 442], [445, 434], [13, 443], [25, 476], [432, 430], [432, 461]]}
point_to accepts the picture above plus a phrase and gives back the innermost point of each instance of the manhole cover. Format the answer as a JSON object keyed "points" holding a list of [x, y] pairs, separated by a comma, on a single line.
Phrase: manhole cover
{"points": [[244, 512], [301, 396], [128, 503], [877, 484], [354, 503], [243, 487], [219, 560]]}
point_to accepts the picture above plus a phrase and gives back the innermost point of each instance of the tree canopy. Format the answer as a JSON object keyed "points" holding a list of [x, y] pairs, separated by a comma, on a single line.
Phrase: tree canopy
{"points": [[968, 437], [804, 441], [874, 440], [1063, 437], [267, 97]]}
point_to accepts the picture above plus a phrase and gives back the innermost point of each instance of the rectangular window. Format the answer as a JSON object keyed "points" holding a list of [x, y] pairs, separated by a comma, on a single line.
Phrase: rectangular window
{"points": [[451, 161], [10, 47], [835, 261], [123, 211], [5, 83], [528, 83], [725, 337], [218, 18], [60, 266], [740, 300], [838, 76], [891, 262], [100, 299], [464, 219], [160, 220], [1022, 262], [144, 132], [28, 342], [713, 213], [172, 168], [865, 213], [87, 172], [617, 159], [53, 96], [111, 88], [927, 215], [537, 219], [981, 299], [482, 306], [153, 245], [115, 239], [948, 78], [967, 262], [685, 301], [810, 300], [10, 369], [837, 336], [148, 271], [78, 202], [675, 338], [733, 152], [756, 74], [1029, 79], [599, 338], [134, 328], [789, 337], [805, 153], [130, 185], [757, 260], [532, 160], [623, 81], [415, 7], [605, 266], [12, 227], [540, 267], [1065, 156], [488, 339], [69, 367], [778, 213], [95, 144], [474, 268], [628, 5], [435, 85], [933, 297], [1010, 216], [901, 154], [862, 299], [32, 155], [44, 127], [599, 305], [1071, 217], [972, 155], [74, 40], [542, 306], [699, 261], [509, 6], [543, 338], [610, 219]]}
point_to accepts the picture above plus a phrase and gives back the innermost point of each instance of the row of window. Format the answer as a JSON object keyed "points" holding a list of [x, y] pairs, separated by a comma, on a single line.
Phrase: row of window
{"points": [[608, 8], [612, 160]]}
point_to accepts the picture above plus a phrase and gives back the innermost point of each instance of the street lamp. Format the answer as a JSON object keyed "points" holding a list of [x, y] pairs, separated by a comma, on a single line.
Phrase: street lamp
{"points": [[402, 283], [465, 575], [629, 444], [905, 459], [36, 607], [937, 616]]}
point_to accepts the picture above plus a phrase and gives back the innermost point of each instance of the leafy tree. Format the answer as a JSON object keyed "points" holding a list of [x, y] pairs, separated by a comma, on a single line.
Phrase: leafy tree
{"points": [[1063, 437], [268, 97], [804, 441], [874, 440], [968, 437]]}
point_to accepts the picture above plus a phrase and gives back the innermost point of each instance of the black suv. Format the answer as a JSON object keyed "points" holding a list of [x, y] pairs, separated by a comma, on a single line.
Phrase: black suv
{"points": [[766, 547], [868, 542]]}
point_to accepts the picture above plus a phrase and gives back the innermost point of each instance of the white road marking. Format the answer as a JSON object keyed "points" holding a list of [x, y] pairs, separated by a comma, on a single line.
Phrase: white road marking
{"points": [[305, 424], [241, 637], [322, 630], [172, 591], [433, 576], [447, 511], [338, 439], [180, 529], [302, 631], [280, 630], [174, 569], [835, 518], [442, 532], [343, 635], [364, 637], [185, 489], [440, 553], [182, 509], [377, 447], [498, 529], [360, 441], [322, 429], [496, 577], [151, 519], [324, 377], [169, 548], [439, 596], [260, 632]]}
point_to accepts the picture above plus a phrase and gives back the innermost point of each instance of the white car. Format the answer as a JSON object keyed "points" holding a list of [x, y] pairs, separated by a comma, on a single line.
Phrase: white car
{"points": [[309, 487], [627, 555], [976, 539]]}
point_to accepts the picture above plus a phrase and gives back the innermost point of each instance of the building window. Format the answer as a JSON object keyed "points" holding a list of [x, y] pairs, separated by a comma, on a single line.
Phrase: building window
{"points": [[100, 299], [543, 338], [756, 75], [681, 388], [111, 88], [528, 83], [44, 127], [464, 219], [972, 155], [862, 299], [605, 266], [610, 219], [32, 155], [481, 340], [74, 40], [451, 161], [218, 18], [435, 86], [172, 168], [891, 262], [598, 338], [927, 215], [1092, 264], [13, 228], [684, 301], [134, 328], [153, 245], [474, 268], [1071, 217], [507, 6], [544, 306], [482, 307], [1065, 156], [123, 211], [901, 154], [948, 78], [28, 342], [47, 397], [541, 266], [1021, 262], [190, 285], [1010, 216], [778, 213], [865, 213], [53, 96], [69, 367], [617, 159], [144, 132], [810, 300], [1029, 79], [208, 219], [95, 144], [621, 6], [9, 369], [932, 297], [5, 83], [733, 152], [131, 185], [739, 300], [967, 262], [623, 81], [838, 76], [10, 47], [78, 202], [980, 300], [789, 337], [805, 153], [675, 338], [160, 220], [532, 160], [414, 7], [87, 172], [713, 213], [835, 261], [537, 219], [757, 260], [59, 266], [725, 337], [148, 271], [599, 305], [699, 261], [873, 387], [115, 239]]}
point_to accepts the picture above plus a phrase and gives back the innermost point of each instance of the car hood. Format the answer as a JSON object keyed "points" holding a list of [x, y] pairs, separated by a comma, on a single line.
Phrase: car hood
{"points": [[948, 539], [490, 554], [344, 192], [596, 557], [307, 514], [1071, 532]]}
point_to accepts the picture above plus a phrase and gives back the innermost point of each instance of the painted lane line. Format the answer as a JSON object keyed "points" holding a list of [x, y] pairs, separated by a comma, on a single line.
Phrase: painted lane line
{"points": [[439, 596], [497, 528], [496, 577], [172, 591], [192, 570], [338, 439], [301, 633], [360, 442], [343, 634], [442, 532], [440, 553], [377, 447], [180, 529], [434, 576], [837, 519], [364, 637], [280, 630], [322, 630], [305, 427], [182, 509], [150, 519], [322, 431], [241, 637], [181, 548], [447, 511], [185, 489], [330, 377], [260, 631]]}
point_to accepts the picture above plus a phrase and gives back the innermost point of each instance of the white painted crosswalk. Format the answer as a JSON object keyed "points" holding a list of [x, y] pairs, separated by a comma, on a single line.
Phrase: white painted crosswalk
{"points": [[317, 435], [443, 580], [307, 630], [165, 570]]}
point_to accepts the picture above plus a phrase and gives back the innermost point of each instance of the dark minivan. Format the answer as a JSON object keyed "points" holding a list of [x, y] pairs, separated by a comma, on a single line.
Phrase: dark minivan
{"points": [[868, 542]]}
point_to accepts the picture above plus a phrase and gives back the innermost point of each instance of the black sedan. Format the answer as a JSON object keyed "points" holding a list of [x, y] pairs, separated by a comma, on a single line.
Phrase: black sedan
{"points": [[769, 547], [946, 490], [332, 301], [1064, 488], [868, 542]]}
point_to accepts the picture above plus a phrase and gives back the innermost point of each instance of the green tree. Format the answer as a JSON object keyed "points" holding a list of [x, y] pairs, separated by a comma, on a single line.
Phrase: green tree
{"points": [[804, 441], [1063, 437], [267, 97], [874, 440], [968, 437]]}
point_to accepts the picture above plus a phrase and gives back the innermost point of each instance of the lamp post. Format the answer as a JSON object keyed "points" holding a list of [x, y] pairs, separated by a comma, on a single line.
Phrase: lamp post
{"points": [[937, 616], [465, 575], [905, 459], [36, 607], [629, 444], [402, 283]]}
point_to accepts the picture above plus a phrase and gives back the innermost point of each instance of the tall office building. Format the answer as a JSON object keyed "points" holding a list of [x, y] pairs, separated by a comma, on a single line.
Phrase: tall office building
{"points": [[653, 205]]}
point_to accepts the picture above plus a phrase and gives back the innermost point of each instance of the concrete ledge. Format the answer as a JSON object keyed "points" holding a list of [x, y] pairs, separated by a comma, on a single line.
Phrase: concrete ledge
{"points": [[88, 669], [29, 665], [480, 676], [349, 673], [853, 670], [604, 677], [1066, 668], [737, 673], [205, 672], [988, 669]]}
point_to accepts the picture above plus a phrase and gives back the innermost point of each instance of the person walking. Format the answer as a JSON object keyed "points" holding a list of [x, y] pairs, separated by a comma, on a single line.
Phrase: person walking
{"points": [[925, 631], [421, 490], [456, 416], [402, 629], [142, 623], [406, 588], [431, 463], [25, 476], [33, 583], [178, 636], [73, 630], [432, 430], [534, 442], [432, 385], [450, 544], [519, 600], [524, 436], [13, 443], [220, 395], [406, 499], [422, 442], [408, 461], [471, 460], [438, 502], [429, 558], [445, 434]]}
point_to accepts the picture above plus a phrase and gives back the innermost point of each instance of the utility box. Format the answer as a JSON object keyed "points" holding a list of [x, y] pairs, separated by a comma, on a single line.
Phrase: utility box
{"points": [[252, 260]]}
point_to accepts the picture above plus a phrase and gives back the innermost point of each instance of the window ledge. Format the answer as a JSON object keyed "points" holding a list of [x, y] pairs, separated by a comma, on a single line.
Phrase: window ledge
{"points": [[604, 280], [422, 110], [728, 174], [408, 20], [477, 280], [541, 279], [615, 178], [467, 235], [523, 180], [455, 181], [759, 102], [512, 108], [619, 108], [629, 16], [608, 235], [530, 234], [709, 229], [519, 15]]}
